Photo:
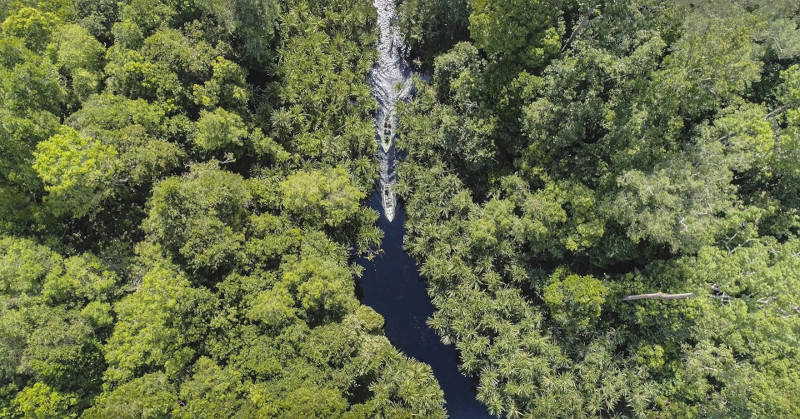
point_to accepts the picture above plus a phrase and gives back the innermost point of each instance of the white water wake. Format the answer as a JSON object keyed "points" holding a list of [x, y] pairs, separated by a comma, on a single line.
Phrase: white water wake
{"points": [[390, 80]]}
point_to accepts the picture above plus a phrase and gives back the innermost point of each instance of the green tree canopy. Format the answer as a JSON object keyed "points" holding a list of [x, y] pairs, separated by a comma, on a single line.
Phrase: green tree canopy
{"points": [[77, 170]]}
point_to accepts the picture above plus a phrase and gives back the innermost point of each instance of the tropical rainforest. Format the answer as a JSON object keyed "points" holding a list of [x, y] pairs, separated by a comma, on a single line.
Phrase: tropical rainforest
{"points": [[602, 195], [568, 155], [180, 194]]}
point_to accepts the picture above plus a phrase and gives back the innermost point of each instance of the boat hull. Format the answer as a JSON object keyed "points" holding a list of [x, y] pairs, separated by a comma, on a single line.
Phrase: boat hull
{"points": [[390, 79], [388, 201]]}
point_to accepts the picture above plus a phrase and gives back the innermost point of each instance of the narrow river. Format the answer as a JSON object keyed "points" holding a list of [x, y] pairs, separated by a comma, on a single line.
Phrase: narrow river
{"points": [[391, 285]]}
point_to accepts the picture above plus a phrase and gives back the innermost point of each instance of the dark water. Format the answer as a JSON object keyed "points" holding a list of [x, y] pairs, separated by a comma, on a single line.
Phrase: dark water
{"points": [[391, 286]]}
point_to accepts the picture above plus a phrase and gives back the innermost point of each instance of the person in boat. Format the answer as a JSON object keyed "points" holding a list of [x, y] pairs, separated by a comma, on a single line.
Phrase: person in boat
{"points": [[386, 138], [387, 197]]}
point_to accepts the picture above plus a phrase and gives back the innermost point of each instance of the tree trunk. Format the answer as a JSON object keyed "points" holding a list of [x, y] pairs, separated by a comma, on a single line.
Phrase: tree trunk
{"points": [[659, 296], [584, 20]]}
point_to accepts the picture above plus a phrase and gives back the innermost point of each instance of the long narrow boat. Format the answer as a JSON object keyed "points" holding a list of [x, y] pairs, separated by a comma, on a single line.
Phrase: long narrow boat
{"points": [[389, 201], [387, 133]]}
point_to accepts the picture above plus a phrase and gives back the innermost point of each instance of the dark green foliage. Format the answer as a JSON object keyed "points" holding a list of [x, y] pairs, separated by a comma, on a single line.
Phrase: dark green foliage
{"points": [[182, 187], [198, 219], [574, 153], [432, 27], [56, 313]]}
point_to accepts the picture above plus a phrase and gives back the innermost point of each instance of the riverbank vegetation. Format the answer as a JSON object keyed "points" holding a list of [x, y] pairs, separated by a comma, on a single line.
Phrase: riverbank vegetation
{"points": [[566, 155], [180, 201], [602, 195]]}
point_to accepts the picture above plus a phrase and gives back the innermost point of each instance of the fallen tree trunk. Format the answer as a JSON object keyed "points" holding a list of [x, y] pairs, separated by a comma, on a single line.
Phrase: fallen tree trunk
{"points": [[659, 296], [577, 30]]}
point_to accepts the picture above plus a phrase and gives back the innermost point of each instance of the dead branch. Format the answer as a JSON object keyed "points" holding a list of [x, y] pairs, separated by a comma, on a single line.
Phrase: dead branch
{"points": [[228, 159], [778, 111], [725, 298], [579, 28], [659, 296], [765, 301]]}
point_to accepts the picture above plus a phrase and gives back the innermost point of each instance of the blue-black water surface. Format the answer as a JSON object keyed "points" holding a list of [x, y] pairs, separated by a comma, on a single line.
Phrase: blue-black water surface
{"points": [[391, 285]]}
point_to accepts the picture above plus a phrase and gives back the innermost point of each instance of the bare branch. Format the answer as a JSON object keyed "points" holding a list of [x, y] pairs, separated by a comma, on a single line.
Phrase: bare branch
{"points": [[579, 28], [659, 296], [228, 159], [766, 300], [725, 298], [778, 111]]}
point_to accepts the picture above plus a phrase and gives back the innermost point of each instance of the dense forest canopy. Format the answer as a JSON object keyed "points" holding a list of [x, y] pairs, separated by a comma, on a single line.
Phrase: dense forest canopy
{"points": [[568, 154], [180, 199], [183, 185]]}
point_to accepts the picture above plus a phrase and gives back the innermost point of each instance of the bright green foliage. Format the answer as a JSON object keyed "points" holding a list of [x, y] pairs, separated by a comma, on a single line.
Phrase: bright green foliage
{"points": [[322, 288], [326, 197], [566, 154], [163, 66], [158, 326], [405, 387], [150, 396], [219, 130], [81, 58], [274, 308], [787, 146], [307, 401], [575, 302], [325, 106], [169, 284], [24, 266], [790, 90], [77, 49], [749, 135], [84, 280], [40, 401], [139, 131], [76, 170], [31, 25], [54, 316], [213, 392], [227, 86]]}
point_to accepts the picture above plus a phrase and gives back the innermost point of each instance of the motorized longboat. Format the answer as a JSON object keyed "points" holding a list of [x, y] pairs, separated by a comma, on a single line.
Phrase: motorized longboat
{"points": [[389, 201], [387, 133]]}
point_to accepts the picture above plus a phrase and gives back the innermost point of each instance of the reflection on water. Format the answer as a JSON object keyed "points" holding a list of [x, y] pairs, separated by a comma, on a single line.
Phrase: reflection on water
{"points": [[391, 285]]}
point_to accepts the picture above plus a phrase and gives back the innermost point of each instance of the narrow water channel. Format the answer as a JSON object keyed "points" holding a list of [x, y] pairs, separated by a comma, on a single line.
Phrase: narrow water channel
{"points": [[391, 285]]}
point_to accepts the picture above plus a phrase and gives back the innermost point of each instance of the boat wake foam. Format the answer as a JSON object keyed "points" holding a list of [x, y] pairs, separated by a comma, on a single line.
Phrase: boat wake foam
{"points": [[390, 80]]}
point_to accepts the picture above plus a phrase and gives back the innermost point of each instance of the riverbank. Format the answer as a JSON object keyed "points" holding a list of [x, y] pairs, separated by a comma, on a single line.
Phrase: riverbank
{"points": [[391, 285]]}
